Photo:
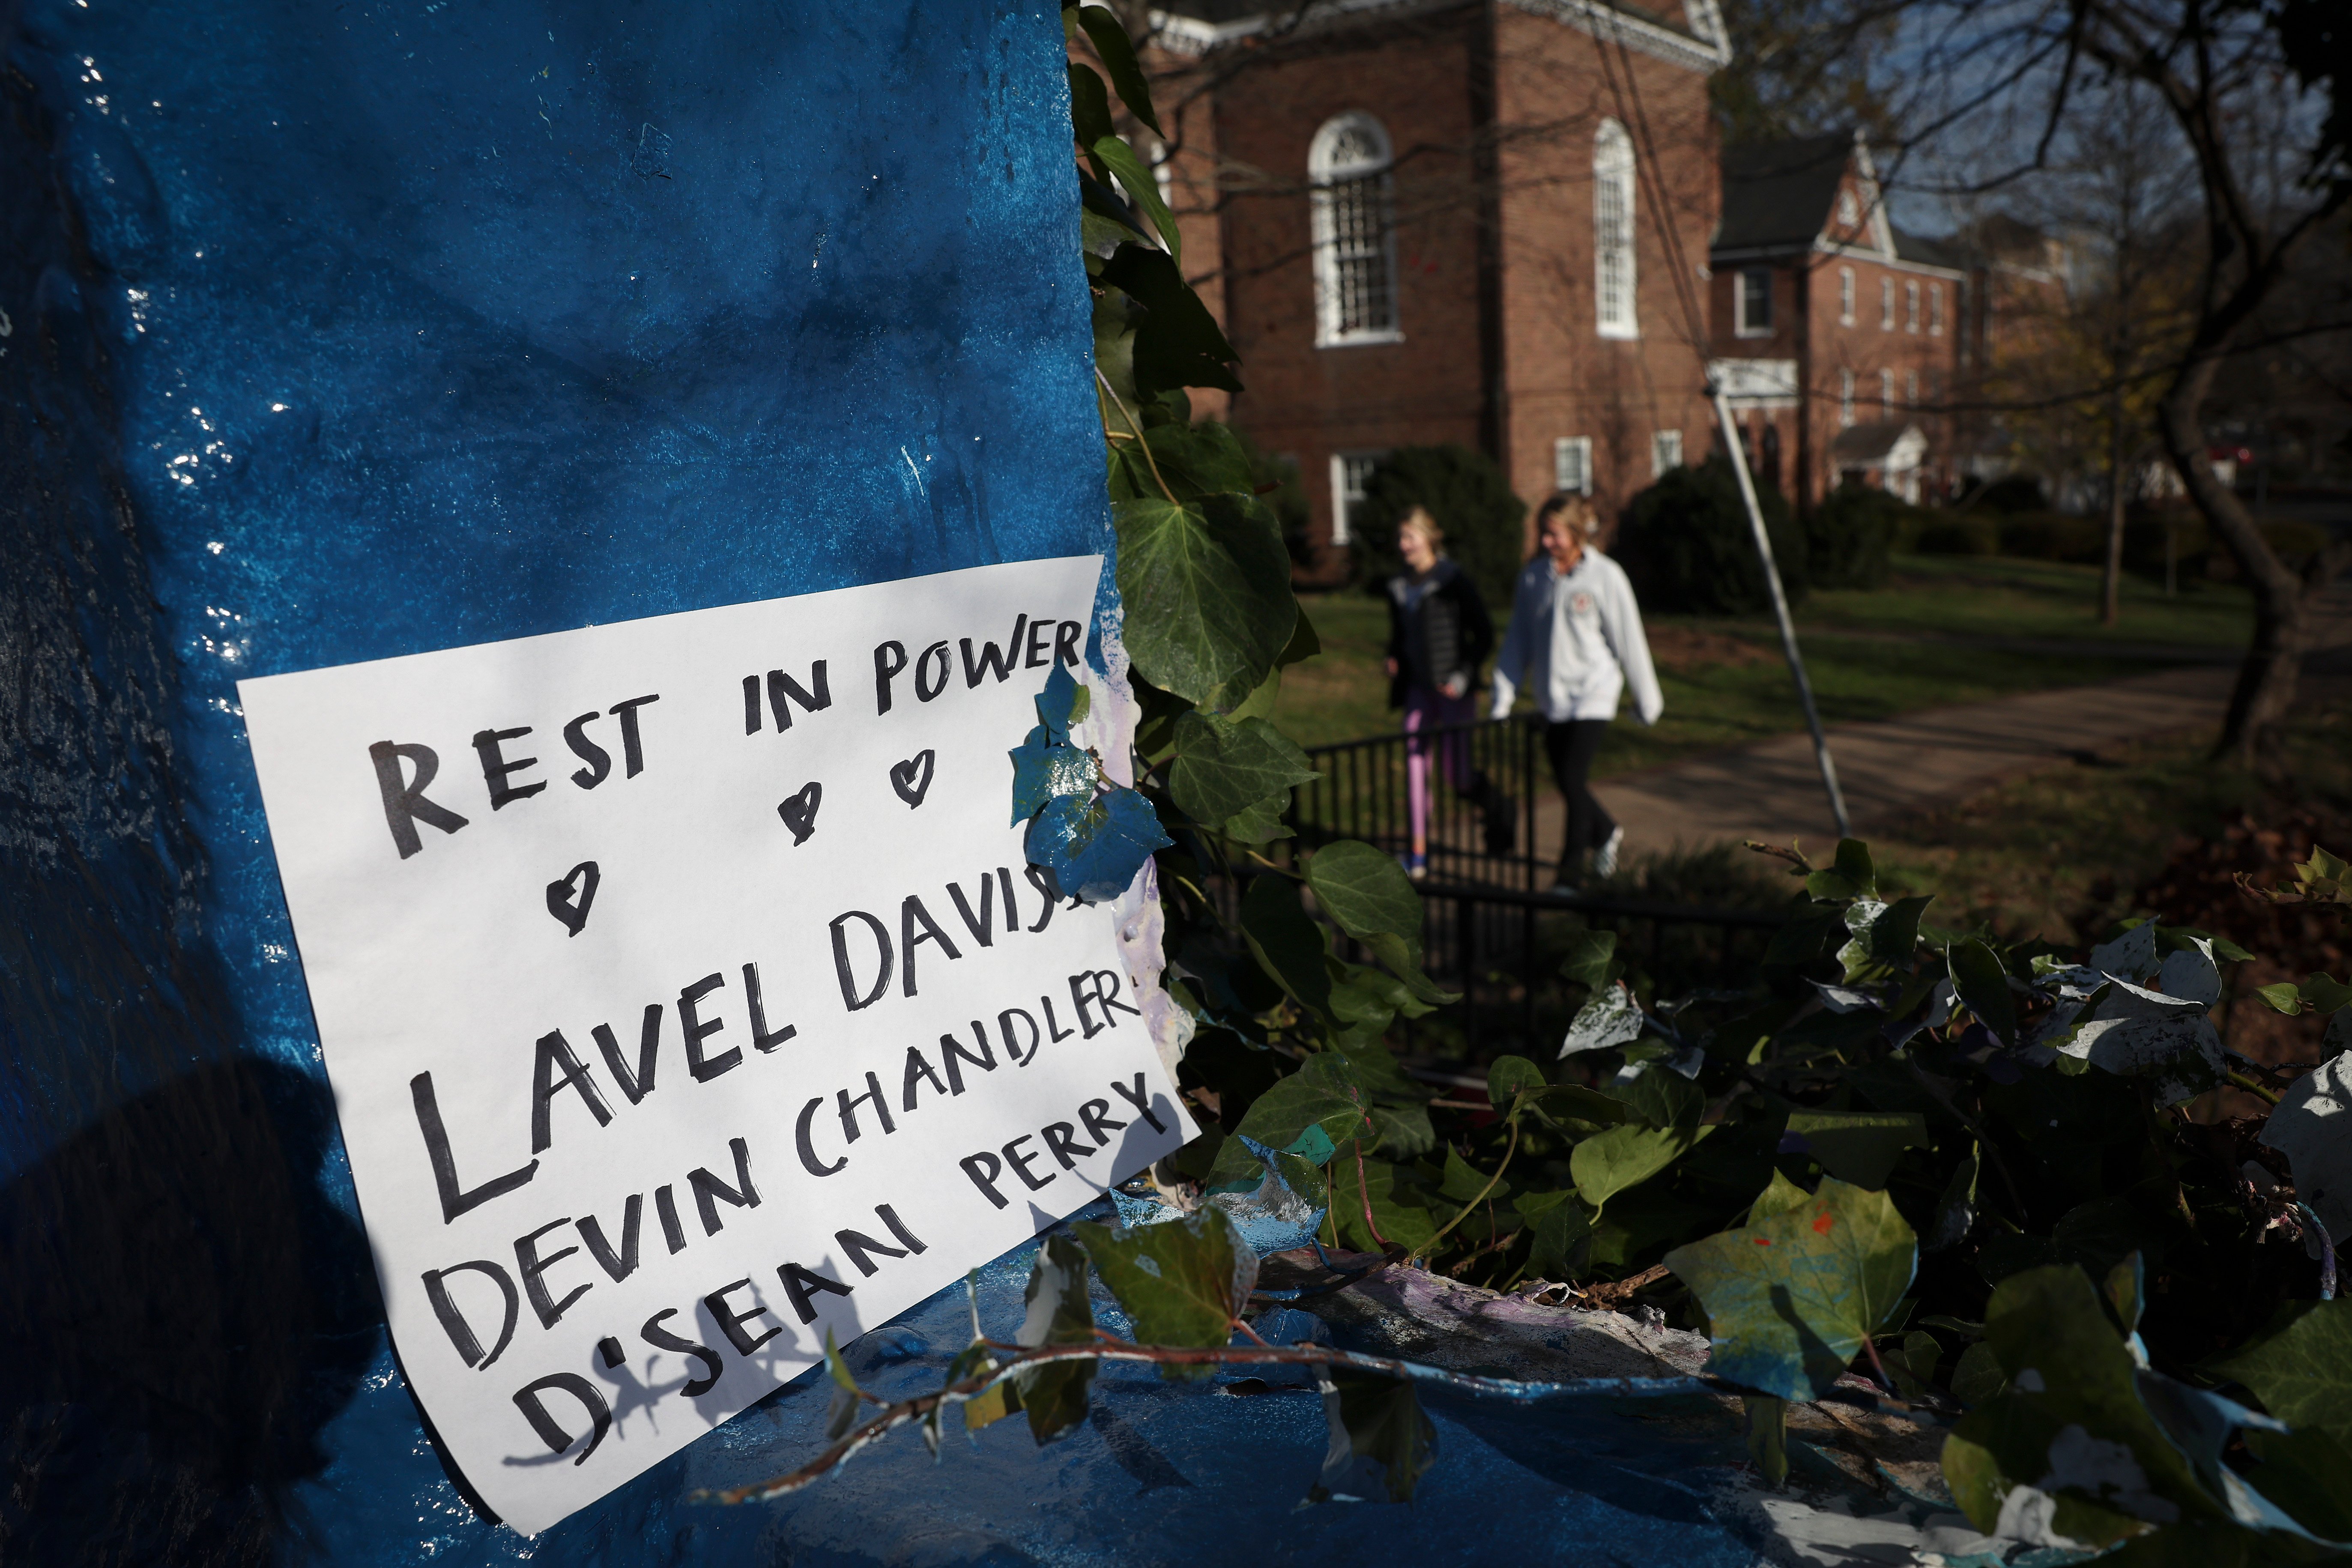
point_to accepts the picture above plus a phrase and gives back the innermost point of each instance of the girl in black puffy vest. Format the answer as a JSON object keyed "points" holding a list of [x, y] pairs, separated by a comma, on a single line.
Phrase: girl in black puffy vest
{"points": [[1439, 634]]}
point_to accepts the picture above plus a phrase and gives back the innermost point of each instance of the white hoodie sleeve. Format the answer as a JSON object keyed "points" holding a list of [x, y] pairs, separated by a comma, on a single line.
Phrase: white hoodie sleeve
{"points": [[1519, 644], [1621, 624]]}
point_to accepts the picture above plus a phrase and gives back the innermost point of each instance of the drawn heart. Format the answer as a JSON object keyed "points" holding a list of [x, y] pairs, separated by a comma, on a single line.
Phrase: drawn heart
{"points": [[799, 811], [569, 902], [912, 778]]}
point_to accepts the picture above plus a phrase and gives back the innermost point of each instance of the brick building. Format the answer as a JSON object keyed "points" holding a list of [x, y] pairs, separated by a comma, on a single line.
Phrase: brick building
{"points": [[1425, 222]]}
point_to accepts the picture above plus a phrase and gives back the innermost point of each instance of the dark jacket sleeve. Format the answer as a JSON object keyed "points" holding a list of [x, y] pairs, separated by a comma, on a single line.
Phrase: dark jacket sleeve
{"points": [[1396, 649], [1477, 627]]}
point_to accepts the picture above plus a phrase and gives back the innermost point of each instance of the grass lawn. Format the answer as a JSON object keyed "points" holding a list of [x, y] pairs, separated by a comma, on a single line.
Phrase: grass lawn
{"points": [[1999, 597], [1725, 682], [2060, 852]]}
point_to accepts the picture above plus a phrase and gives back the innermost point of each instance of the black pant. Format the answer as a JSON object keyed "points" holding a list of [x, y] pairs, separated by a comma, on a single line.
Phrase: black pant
{"points": [[1571, 745]]}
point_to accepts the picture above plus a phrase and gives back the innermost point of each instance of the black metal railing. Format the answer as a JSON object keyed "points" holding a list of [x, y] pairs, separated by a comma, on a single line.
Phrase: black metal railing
{"points": [[1495, 932]]}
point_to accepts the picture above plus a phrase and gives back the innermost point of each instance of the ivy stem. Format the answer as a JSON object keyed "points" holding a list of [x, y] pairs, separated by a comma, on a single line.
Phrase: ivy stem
{"points": [[1364, 1190], [1511, 1148], [1145, 446], [1877, 1365], [2254, 1086]]}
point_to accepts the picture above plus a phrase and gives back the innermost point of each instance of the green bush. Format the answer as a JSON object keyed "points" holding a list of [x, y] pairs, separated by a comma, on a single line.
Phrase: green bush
{"points": [[1470, 498], [1960, 533], [2053, 536], [2014, 493], [1688, 545], [1848, 536]]}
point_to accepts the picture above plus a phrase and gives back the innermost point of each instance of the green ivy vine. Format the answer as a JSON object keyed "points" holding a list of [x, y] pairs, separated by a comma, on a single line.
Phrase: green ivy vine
{"points": [[1910, 1170]]}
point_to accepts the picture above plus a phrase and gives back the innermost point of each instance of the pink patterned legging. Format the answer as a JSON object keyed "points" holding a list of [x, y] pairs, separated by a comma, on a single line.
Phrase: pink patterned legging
{"points": [[1428, 709]]}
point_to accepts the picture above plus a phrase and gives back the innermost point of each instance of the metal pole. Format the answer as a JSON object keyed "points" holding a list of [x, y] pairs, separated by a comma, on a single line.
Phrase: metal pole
{"points": [[1781, 609]]}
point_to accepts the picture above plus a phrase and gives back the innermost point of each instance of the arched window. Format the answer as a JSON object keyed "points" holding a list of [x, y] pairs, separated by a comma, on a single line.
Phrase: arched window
{"points": [[1612, 231], [1355, 243]]}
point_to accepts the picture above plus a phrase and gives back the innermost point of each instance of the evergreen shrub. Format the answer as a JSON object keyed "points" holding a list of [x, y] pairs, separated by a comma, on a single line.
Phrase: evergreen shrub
{"points": [[1687, 543], [1468, 493]]}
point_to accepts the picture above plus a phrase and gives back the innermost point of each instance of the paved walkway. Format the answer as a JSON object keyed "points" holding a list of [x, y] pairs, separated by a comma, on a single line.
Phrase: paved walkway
{"points": [[1772, 791]]}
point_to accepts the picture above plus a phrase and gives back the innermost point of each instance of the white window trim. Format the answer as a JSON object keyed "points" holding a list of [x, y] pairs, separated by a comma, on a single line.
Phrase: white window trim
{"points": [[1664, 445], [1911, 306], [1571, 464], [1323, 175], [1846, 398], [1612, 175], [1935, 310], [1742, 326], [1886, 394], [1845, 296], [1342, 534], [1886, 304], [1911, 388]]}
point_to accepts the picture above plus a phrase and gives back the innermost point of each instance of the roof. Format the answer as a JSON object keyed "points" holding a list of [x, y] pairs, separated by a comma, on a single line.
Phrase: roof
{"points": [[1780, 192], [1869, 446], [1687, 33], [1930, 252]]}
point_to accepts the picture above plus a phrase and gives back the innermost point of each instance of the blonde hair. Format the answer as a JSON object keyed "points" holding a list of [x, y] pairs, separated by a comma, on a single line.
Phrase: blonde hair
{"points": [[1418, 521], [1576, 511]]}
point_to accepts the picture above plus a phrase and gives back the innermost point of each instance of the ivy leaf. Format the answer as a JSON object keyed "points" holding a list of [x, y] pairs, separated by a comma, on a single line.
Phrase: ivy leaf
{"points": [[1399, 1208], [1608, 1018], [1182, 1282], [1261, 824], [1059, 1314], [1041, 772], [1852, 877], [1063, 703], [1223, 769], [1666, 1101], [1142, 189], [2073, 1425], [2325, 993], [1207, 589], [1860, 1147], [1111, 42], [1791, 1299], [1368, 896], [1288, 944], [1592, 960], [1610, 1162], [1885, 940], [1311, 1113], [1563, 1231], [1983, 986], [2300, 1366], [1089, 106], [1177, 342], [1094, 844], [1506, 1075], [1381, 1441], [1304, 644], [2307, 1473], [1779, 1197], [1976, 1375], [2284, 997], [1956, 1211]]}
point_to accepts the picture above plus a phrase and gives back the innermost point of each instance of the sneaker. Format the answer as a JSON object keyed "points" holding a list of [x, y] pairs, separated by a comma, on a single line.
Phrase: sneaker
{"points": [[1604, 859], [1415, 866]]}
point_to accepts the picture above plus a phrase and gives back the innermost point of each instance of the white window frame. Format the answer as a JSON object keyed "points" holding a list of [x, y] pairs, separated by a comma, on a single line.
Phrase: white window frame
{"points": [[1571, 465], [1666, 452], [1744, 324], [1347, 489], [1845, 296], [1911, 306], [1886, 304], [1935, 310], [1849, 212], [1846, 398], [1355, 275], [1616, 312], [1911, 387]]}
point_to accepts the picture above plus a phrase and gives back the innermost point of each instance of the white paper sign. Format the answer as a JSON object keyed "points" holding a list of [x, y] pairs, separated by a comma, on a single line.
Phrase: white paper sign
{"points": [[685, 994]]}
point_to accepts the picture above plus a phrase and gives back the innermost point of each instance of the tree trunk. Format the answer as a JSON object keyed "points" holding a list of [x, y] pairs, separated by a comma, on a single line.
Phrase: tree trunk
{"points": [[2111, 581], [2283, 631]]}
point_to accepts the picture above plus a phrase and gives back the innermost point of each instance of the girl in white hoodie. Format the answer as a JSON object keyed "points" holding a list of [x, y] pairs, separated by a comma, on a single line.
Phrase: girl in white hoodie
{"points": [[1576, 638]]}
